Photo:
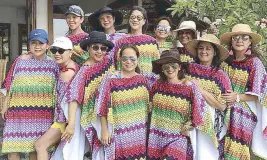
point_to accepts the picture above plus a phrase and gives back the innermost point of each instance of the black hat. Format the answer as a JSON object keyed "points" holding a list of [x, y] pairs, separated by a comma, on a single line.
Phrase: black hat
{"points": [[96, 37], [93, 19]]}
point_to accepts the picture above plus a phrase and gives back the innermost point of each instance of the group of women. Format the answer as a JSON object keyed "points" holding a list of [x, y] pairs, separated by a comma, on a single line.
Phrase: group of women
{"points": [[132, 96]]}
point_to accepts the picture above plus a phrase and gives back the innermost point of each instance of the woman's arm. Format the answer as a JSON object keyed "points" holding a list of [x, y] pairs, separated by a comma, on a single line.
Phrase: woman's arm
{"points": [[212, 101], [231, 96], [105, 135]]}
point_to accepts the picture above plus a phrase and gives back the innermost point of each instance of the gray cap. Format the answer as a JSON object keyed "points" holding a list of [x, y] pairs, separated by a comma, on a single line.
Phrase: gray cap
{"points": [[77, 10]]}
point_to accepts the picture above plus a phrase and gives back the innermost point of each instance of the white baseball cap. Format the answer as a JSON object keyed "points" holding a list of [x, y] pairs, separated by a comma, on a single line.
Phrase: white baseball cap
{"points": [[63, 42]]}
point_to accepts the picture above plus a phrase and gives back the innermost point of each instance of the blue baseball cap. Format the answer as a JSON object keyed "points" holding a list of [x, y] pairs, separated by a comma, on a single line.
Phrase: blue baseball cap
{"points": [[38, 35]]}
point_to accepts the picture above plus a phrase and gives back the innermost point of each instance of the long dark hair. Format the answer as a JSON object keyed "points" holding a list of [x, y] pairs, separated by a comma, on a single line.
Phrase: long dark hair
{"points": [[137, 69], [143, 11], [181, 73], [216, 61]]}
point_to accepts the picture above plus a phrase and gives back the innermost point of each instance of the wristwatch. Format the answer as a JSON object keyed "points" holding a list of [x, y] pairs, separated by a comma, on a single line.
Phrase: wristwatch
{"points": [[237, 98]]}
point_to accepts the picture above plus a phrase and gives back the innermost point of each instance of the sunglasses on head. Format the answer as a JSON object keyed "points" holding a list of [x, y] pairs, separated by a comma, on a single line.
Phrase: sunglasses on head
{"points": [[243, 37], [97, 47], [163, 28], [126, 58], [166, 67], [59, 50]]}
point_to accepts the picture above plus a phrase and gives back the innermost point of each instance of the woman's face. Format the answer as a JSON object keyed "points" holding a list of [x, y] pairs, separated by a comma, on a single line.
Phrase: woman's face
{"points": [[136, 20], [74, 21], [163, 29], [61, 56], [186, 35], [129, 60], [106, 20], [97, 52], [171, 70], [38, 49], [241, 42], [205, 52]]}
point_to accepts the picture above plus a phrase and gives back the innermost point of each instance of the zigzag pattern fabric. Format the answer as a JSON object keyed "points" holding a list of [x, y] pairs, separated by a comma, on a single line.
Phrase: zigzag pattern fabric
{"points": [[185, 56], [32, 85], [247, 76], [125, 102], [163, 46], [148, 49], [173, 105], [79, 56], [83, 89]]}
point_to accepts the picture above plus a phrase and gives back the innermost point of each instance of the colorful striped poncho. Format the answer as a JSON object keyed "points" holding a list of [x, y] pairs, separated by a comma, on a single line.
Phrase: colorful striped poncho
{"points": [[32, 89], [185, 56], [163, 46], [79, 56], [83, 89], [148, 49], [216, 82], [173, 106], [247, 77], [125, 102]]}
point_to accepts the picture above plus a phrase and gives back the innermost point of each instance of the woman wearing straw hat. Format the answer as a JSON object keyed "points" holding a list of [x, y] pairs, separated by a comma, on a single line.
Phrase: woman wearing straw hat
{"points": [[177, 107], [81, 93], [184, 33], [248, 120], [105, 20], [212, 82]]}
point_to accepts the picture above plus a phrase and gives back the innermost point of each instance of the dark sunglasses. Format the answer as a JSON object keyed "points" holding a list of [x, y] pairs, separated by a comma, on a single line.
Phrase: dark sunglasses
{"points": [[59, 50], [243, 37], [166, 67], [163, 28], [102, 48], [126, 58]]}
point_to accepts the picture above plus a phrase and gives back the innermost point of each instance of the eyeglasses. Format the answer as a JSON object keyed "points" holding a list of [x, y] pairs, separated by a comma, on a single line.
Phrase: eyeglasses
{"points": [[163, 28], [139, 18], [59, 50], [243, 37], [166, 67], [126, 58], [104, 17], [97, 47]]}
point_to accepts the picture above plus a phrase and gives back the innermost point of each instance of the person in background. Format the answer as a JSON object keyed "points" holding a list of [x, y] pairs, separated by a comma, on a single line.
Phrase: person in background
{"points": [[248, 120], [123, 103], [62, 51], [105, 20], [75, 18], [30, 89], [184, 33], [162, 32], [212, 83], [177, 107]]}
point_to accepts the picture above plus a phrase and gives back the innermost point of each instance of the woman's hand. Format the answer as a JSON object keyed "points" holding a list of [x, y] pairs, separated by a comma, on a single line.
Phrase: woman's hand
{"points": [[186, 130], [105, 137], [4, 108], [230, 96], [69, 132]]}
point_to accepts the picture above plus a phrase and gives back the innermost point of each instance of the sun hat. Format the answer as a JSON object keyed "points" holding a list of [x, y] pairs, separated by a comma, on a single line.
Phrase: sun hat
{"points": [[38, 35], [63, 42], [96, 37], [93, 19], [191, 25], [191, 46], [167, 56], [240, 29], [77, 10]]}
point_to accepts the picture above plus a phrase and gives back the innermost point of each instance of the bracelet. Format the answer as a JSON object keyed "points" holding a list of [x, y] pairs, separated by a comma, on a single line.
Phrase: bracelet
{"points": [[237, 98]]}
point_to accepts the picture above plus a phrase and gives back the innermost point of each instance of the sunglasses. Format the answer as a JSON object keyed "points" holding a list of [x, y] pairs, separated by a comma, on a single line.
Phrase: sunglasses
{"points": [[126, 58], [163, 28], [102, 48], [59, 50], [139, 18], [243, 37], [166, 67]]}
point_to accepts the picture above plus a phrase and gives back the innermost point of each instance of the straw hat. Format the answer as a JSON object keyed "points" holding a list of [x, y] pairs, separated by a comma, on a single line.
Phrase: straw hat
{"points": [[167, 56], [192, 45], [191, 25], [240, 29]]}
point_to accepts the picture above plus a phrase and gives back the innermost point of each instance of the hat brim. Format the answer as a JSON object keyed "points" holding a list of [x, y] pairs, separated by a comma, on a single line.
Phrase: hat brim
{"points": [[191, 47], [87, 42], [157, 64], [227, 37], [73, 13], [43, 40], [94, 21]]}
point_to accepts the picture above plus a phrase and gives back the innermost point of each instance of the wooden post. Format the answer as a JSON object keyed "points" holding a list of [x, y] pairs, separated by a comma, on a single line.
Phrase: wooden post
{"points": [[50, 21]]}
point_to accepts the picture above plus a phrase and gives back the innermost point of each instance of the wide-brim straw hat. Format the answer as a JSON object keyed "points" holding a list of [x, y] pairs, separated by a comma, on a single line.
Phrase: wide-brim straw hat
{"points": [[190, 25], [167, 56], [191, 46], [240, 29]]}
